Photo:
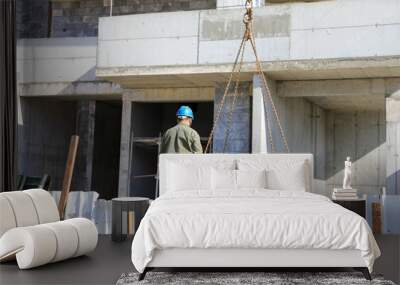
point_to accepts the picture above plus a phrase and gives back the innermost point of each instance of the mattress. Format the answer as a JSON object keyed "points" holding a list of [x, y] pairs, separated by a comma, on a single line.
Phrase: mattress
{"points": [[250, 219]]}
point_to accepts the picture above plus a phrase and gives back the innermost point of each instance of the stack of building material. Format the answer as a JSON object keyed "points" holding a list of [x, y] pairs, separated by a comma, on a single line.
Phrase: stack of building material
{"points": [[344, 194], [86, 204]]}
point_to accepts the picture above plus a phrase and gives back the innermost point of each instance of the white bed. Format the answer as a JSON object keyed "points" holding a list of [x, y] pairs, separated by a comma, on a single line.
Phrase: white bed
{"points": [[247, 210]]}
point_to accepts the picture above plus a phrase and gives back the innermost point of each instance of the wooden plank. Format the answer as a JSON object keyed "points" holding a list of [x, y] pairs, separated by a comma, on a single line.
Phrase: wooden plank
{"points": [[131, 222], [69, 169], [376, 218]]}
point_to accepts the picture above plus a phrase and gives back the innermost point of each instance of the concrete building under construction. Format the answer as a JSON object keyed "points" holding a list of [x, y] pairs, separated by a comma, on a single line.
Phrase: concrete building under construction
{"points": [[114, 73]]}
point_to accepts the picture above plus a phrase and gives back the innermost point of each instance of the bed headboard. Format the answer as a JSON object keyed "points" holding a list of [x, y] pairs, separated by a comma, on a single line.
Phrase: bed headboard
{"points": [[232, 161]]}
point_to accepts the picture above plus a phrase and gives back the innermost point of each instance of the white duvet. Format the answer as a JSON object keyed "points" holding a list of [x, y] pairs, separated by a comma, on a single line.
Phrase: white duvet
{"points": [[250, 219]]}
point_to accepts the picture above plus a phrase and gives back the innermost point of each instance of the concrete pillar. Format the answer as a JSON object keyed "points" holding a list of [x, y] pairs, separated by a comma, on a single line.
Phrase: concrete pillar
{"points": [[280, 105], [126, 149], [239, 138], [258, 134], [318, 141], [393, 143], [85, 124]]}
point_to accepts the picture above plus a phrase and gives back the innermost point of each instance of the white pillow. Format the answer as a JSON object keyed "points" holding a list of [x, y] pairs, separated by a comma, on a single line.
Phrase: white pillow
{"points": [[282, 174], [293, 180], [184, 177], [224, 179], [252, 178]]}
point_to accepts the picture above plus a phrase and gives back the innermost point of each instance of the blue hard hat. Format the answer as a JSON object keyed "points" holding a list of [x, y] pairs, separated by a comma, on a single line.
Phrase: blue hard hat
{"points": [[185, 111]]}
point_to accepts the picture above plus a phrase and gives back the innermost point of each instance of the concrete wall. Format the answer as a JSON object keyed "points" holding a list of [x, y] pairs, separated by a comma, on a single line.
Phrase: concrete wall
{"points": [[44, 136], [296, 31], [45, 129], [388, 263], [303, 124], [239, 139], [85, 127], [106, 149], [332, 133], [56, 60], [79, 18], [60, 67], [393, 142], [355, 125], [360, 135], [32, 18]]}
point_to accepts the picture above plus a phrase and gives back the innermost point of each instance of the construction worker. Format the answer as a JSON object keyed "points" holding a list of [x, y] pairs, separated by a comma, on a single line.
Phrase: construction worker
{"points": [[182, 138]]}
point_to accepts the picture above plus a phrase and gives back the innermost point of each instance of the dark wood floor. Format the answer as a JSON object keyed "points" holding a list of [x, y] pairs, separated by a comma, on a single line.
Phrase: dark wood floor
{"points": [[103, 266], [111, 259]]}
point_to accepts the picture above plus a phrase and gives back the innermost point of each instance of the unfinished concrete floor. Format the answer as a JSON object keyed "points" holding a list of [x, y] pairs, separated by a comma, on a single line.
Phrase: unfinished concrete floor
{"points": [[103, 266]]}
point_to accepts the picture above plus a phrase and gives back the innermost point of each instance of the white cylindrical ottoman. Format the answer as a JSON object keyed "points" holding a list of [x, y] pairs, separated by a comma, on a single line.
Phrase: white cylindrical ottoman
{"points": [[40, 244]]}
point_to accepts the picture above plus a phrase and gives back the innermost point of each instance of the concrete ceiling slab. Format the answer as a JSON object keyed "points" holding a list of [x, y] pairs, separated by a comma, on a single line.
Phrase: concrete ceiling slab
{"points": [[350, 103], [209, 75]]}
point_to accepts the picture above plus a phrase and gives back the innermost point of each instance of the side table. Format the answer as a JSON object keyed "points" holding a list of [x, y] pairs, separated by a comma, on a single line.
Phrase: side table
{"points": [[358, 206], [123, 205]]}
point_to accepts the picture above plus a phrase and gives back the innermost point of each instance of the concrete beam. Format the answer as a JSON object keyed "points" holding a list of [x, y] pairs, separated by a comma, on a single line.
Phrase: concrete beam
{"points": [[348, 87], [343, 95], [211, 74], [170, 95], [235, 4], [99, 89]]}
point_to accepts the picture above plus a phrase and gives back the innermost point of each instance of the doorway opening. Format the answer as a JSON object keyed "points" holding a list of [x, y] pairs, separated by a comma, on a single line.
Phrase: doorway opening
{"points": [[149, 122]]}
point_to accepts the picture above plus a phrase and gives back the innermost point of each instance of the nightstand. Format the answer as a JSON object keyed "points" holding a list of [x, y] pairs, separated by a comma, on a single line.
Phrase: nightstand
{"points": [[121, 206], [358, 206]]}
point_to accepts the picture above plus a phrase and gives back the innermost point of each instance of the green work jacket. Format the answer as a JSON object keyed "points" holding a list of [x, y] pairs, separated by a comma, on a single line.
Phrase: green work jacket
{"points": [[181, 139]]}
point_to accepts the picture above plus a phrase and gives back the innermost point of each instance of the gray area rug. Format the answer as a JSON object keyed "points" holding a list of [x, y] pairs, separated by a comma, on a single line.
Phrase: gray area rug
{"points": [[269, 278]]}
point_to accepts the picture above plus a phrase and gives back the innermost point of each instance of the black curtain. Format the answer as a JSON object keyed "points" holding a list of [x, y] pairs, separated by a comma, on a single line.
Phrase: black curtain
{"points": [[8, 96]]}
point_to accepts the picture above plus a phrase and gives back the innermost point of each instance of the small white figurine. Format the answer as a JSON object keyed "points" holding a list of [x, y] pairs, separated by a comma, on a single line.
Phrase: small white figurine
{"points": [[347, 174]]}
